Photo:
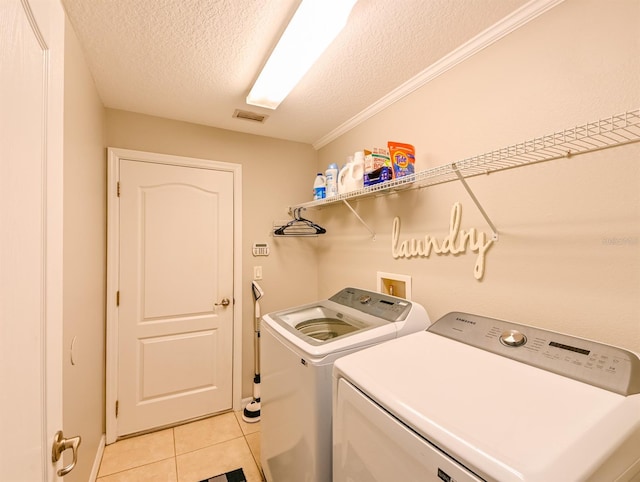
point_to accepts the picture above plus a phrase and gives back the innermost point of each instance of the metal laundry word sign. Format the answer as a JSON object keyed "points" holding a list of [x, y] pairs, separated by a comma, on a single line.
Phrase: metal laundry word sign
{"points": [[456, 242]]}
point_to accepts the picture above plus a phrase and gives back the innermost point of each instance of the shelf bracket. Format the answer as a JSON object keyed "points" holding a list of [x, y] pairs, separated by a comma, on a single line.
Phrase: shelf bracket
{"points": [[475, 200], [373, 234]]}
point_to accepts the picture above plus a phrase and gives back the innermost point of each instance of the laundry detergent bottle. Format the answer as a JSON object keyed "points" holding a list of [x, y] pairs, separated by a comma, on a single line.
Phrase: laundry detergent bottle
{"points": [[351, 176], [319, 187], [331, 175]]}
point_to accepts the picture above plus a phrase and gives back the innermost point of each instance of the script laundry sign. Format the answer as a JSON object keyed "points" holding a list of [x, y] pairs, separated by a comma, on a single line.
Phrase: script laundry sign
{"points": [[456, 242]]}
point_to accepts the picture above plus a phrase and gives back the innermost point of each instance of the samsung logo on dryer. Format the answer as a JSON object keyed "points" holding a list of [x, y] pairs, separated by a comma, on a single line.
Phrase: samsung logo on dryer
{"points": [[465, 321]]}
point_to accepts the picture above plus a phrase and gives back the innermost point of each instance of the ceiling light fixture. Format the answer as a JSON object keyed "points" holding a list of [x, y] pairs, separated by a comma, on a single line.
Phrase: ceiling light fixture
{"points": [[313, 27]]}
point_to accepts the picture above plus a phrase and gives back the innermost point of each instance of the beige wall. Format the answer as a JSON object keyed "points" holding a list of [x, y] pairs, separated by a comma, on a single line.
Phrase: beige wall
{"points": [[568, 257], [84, 258], [274, 174]]}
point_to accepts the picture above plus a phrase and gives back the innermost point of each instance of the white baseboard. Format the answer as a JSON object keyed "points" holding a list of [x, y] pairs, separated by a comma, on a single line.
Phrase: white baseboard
{"points": [[96, 462]]}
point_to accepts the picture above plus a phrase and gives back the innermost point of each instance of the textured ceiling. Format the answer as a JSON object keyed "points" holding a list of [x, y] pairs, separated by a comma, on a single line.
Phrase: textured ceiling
{"points": [[196, 60]]}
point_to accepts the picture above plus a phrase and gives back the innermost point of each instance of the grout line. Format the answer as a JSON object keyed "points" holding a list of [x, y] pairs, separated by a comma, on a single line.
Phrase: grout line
{"points": [[252, 454], [133, 468], [210, 445], [175, 453]]}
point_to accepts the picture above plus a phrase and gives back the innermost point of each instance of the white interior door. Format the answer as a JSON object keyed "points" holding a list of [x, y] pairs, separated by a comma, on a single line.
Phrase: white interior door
{"points": [[31, 95], [175, 329]]}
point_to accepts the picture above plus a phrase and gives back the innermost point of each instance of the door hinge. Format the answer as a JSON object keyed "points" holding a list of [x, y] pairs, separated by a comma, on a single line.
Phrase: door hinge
{"points": [[117, 298], [117, 407], [118, 189]]}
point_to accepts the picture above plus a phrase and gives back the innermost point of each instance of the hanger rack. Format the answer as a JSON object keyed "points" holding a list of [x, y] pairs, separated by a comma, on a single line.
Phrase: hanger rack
{"points": [[614, 131], [299, 226]]}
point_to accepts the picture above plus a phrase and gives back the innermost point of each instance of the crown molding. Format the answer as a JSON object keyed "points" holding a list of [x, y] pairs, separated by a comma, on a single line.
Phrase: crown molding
{"points": [[504, 27]]}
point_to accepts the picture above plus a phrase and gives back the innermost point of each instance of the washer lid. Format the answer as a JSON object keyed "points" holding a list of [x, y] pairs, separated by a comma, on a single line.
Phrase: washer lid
{"points": [[502, 419], [319, 330], [351, 318]]}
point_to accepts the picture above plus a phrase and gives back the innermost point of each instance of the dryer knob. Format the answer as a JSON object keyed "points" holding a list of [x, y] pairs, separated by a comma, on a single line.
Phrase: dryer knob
{"points": [[365, 299], [512, 338]]}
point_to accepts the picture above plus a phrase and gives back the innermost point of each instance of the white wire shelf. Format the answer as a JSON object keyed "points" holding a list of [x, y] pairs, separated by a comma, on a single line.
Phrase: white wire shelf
{"points": [[605, 133]]}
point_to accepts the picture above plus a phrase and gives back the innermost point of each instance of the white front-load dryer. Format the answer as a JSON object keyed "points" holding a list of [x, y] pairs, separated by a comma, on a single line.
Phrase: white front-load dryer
{"points": [[298, 348]]}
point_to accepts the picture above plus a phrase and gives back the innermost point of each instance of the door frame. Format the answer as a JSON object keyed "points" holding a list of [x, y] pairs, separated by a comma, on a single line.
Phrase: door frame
{"points": [[113, 269]]}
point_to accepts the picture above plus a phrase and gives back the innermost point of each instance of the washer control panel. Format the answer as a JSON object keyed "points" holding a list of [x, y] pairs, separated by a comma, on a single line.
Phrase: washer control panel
{"points": [[386, 307], [603, 366]]}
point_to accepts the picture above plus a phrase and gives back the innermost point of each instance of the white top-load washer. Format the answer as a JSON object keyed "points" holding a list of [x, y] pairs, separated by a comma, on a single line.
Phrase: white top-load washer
{"points": [[298, 348], [474, 398]]}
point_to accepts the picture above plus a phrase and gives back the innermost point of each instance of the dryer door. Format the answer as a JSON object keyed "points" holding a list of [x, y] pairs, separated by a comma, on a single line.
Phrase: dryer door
{"points": [[369, 444]]}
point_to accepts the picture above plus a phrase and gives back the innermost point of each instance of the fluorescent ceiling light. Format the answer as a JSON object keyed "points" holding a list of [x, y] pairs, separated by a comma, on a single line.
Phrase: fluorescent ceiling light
{"points": [[313, 27]]}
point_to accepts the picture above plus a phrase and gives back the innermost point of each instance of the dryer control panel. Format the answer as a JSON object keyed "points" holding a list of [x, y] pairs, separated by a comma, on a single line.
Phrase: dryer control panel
{"points": [[597, 364], [372, 303]]}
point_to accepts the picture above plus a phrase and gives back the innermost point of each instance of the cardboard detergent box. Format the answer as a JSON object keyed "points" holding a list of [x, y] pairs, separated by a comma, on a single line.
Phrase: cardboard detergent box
{"points": [[377, 166]]}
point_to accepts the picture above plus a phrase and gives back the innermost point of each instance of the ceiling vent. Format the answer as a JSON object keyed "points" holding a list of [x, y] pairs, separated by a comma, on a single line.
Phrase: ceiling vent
{"points": [[250, 116]]}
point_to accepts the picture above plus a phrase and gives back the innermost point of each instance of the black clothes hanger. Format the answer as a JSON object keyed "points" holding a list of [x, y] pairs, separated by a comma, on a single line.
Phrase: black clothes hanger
{"points": [[299, 226]]}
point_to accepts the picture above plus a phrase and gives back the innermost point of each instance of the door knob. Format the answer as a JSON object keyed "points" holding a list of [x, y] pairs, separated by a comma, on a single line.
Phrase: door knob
{"points": [[224, 302], [60, 444]]}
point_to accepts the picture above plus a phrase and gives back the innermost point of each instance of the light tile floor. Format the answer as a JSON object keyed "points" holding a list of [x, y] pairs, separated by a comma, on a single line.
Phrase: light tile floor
{"points": [[187, 453]]}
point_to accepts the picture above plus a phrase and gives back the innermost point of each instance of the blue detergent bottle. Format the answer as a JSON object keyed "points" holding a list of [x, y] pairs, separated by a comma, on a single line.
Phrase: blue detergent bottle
{"points": [[319, 187]]}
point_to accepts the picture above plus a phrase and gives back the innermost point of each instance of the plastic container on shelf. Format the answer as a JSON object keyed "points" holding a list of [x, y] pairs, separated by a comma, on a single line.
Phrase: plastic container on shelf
{"points": [[403, 158], [331, 176], [319, 187], [351, 177]]}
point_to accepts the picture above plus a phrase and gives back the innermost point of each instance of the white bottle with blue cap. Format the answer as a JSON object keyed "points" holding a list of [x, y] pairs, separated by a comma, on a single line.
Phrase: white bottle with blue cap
{"points": [[331, 175]]}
